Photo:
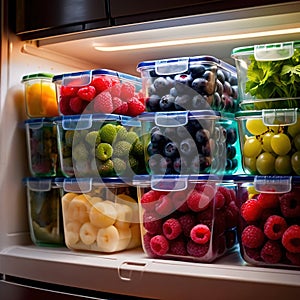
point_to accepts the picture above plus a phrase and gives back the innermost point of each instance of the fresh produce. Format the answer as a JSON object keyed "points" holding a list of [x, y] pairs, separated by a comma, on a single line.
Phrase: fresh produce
{"points": [[104, 220], [269, 231], [104, 94], [105, 149], [270, 150], [196, 224]]}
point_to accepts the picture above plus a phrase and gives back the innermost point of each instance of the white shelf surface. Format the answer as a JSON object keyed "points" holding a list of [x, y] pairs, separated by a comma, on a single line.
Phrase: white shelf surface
{"points": [[133, 273]]}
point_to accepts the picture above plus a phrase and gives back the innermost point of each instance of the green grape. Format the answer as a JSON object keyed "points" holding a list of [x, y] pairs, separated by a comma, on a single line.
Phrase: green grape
{"points": [[296, 141], [295, 160], [265, 163], [281, 144], [266, 141], [274, 129], [252, 147], [256, 126], [294, 129], [283, 165], [250, 164]]}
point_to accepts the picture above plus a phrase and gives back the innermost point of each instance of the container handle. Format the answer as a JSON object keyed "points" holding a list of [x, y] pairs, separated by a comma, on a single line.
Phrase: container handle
{"points": [[171, 119], [169, 66], [75, 185], [279, 117], [161, 183], [77, 80], [273, 184], [85, 121], [272, 52]]}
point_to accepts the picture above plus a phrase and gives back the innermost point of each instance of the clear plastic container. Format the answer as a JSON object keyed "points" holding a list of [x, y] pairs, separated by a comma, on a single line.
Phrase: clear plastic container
{"points": [[181, 142], [269, 141], [40, 95], [102, 145], [189, 83], [99, 91], [267, 71], [43, 157], [190, 218], [100, 215], [269, 226], [44, 211]]}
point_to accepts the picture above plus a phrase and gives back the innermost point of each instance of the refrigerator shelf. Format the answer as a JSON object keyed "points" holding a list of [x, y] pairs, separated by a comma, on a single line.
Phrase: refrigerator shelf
{"points": [[133, 273]]}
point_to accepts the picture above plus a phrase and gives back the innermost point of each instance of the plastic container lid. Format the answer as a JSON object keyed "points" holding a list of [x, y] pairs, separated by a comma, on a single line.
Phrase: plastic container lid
{"points": [[40, 184], [37, 76], [268, 52]]}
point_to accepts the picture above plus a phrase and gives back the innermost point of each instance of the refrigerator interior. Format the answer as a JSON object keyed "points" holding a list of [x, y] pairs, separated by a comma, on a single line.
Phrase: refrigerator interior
{"points": [[129, 272]]}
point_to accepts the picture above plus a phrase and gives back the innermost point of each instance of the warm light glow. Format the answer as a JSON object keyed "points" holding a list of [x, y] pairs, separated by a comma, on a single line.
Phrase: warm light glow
{"points": [[197, 40]]}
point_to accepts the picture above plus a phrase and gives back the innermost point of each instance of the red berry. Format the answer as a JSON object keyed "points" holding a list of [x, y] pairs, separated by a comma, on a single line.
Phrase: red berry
{"points": [[274, 227], [69, 91], [294, 258], [226, 192], [172, 229], [207, 189], [120, 107], [135, 107], [164, 205], [271, 252], [252, 237], [251, 210], [127, 91], [187, 221], [102, 83], [178, 247], [152, 223], [291, 239], [219, 200], [103, 103], [179, 201], [77, 105], [115, 90], [266, 200], [198, 201], [87, 93], [290, 205], [231, 215], [159, 245], [148, 200], [64, 106], [200, 234], [197, 250]]}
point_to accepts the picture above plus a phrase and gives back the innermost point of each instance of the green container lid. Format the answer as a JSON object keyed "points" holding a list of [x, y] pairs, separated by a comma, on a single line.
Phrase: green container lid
{"points": [[37, 76]]}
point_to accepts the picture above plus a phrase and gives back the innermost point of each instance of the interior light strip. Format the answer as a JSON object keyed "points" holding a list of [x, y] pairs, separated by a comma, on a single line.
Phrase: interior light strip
{"points": [[197, 40]]}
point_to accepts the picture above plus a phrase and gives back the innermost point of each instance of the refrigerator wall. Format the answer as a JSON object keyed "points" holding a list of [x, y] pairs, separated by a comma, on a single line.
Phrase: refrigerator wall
{"points": [[129, 273]]}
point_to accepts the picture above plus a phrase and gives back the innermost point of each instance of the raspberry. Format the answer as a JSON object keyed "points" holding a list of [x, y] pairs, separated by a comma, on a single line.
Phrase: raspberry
{"points": [[64, 106], [226, 193], [251, 210], [146, 245], [187, 221], [159, 245], [196, 250], [135, 107], [266, 200], [205, 217], [253, 253], [178, 247], [294, 258], [200, 234], [290, 205], [179, 201], [171, 228], [103, 103], [198, 201], [164, 205], [77, 105], [291, 239], [219, 200], [119, 106], [148, 200], [102, 83], [219, 244], [152, 223], [231, 215], [127, 91], [274, 227], [115, 90], [219, 222], [68, 91], [231, 238], [87, 93], [252, 237], [207, 189], [271, 252]]}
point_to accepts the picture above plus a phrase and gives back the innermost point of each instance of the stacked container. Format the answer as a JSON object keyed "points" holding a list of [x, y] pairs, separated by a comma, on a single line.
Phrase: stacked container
{"points": [[269, 131]]}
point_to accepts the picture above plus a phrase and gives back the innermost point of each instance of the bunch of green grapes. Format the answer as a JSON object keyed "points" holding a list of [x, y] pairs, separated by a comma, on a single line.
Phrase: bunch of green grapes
{"points": [[271, 149]]}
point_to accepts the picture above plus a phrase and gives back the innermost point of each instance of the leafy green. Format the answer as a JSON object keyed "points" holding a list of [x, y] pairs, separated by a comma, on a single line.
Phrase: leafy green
{"points": [[274, 79]]}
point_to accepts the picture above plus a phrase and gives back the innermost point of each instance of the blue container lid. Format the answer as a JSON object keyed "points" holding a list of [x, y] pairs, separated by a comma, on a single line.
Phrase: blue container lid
{"points": [[40, 184]]}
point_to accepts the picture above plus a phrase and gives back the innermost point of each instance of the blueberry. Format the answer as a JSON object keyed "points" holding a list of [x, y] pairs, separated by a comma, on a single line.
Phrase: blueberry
{"points": [[233, 80], [182, 102], [199, 102], [152, 149], [185, 79], [166, 103], [170, 149], [205, 150], [220, 76], [188, 146], [199, 85], [217, 102], [228, 164], [182, 132], [201, 137], [231, 136], [180, 165], [152, 103], [197, 71], [173, 92], [199, 164], [234, 91], [220, 88], [227, 88], [157, 137], [193, 126], [166, 165], [161, 86], [231, 151]]}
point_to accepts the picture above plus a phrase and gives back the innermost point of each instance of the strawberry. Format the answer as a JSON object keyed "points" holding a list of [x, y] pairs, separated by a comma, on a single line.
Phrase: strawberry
{"points": [[101, 83], [87, 93], [135, 107], [103, 103], [120, 107], [127, 91]]}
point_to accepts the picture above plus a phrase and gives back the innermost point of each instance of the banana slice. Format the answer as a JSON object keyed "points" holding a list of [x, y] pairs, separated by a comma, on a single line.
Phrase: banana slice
{"points": [[66, 199], [132, 203], [124, 216], [135, 236], [108, 239], [78, 209], [103, 214], [88, 233], [72, 232], [124, 238]]}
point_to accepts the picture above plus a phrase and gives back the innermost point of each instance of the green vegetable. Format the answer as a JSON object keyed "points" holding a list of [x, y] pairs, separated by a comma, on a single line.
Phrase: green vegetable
{"points": [[274, 79]]}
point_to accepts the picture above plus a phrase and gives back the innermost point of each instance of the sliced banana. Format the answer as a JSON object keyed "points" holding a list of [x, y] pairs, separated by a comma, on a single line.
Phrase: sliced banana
{"points": [[124, 238], [135, 236], [124, 216], [72, 232], [108, 239], [66, 199], [78, 209], [103, 214], [88, 233], [132, 203]]}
